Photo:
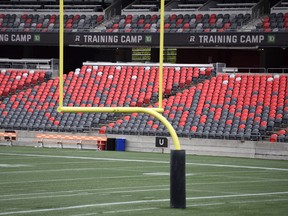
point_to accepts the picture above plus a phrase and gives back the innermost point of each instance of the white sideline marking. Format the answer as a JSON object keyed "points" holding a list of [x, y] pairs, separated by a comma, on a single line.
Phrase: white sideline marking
{"points": [[139, 202], [13, 165], [129, 210], [145, 161]]}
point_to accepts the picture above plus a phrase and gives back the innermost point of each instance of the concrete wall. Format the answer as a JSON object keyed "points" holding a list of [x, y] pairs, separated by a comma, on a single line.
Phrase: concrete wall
{"points": [[213, 147]]}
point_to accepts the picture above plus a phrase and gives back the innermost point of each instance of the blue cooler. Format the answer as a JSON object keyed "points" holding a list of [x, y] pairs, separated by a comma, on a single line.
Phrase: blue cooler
{"points": [[120, 144]]}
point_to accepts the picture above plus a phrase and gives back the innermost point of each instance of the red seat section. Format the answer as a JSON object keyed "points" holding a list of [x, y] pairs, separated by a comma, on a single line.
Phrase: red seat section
{"points": [[93, 86], [12, 80], [246, 107]]}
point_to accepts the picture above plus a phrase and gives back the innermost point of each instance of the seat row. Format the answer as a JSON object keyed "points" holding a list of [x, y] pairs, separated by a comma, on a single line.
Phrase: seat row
{"points": [[180, 22], [280, 136], [48, 22]]}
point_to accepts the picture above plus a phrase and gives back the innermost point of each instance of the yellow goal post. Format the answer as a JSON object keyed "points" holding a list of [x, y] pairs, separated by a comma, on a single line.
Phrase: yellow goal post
{"points": [[152, 111]]}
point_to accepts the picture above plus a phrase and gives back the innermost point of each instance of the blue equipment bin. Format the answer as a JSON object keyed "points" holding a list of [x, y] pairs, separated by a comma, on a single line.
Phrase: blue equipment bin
{"points": [[120, 144]]}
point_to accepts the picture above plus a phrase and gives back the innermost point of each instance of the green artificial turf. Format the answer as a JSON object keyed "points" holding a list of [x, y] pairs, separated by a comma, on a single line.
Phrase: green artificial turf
{"points": [[41, 181]]}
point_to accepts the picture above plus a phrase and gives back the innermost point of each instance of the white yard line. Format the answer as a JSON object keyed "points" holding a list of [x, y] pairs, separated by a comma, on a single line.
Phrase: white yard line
{"points": [[231, 176], [236, 166], [237, 202], [157, 174], [81, 207], [51, 170], [164, 174], [147, 161], [238, 195], [239, 182], [68, 170], [209, 173], [87, 158], [71, 179], [146, 175], [115, 190], [14, 165], [138, 176], [86, 193], [256, 201], [127, 169], [129, 210], [206, 204], [14, 158], [108, 191], [138, 202], [77, 191], [88, 214], [63, 163]]}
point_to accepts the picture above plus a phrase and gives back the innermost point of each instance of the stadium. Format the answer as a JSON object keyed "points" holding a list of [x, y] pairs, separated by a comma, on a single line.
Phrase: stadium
{"points": [[80, 97]]}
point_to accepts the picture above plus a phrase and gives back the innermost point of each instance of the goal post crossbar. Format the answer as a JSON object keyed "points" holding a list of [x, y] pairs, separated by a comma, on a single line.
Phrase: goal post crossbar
{"points": [[153, 112]]}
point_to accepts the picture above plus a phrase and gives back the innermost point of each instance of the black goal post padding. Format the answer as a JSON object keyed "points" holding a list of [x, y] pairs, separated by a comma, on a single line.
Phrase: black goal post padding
{"points": [[177, 179]]}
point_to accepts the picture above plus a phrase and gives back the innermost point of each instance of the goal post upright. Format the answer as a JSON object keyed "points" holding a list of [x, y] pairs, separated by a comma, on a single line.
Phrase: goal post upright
{"points": [[177, 157], [61, 52], [177, 161], [161, 53]]}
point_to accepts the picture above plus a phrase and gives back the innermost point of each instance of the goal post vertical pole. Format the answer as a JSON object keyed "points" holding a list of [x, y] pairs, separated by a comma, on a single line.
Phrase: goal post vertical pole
{"points": [[161, 53], [177, 160], [61, 52]]}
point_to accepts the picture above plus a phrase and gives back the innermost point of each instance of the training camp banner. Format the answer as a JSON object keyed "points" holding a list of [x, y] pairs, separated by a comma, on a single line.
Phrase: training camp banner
{"points": [[246, 39]]}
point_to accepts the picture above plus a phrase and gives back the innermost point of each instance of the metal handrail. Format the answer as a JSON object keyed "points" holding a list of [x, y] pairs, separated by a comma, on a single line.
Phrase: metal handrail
{"points": [[282, 70]]}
